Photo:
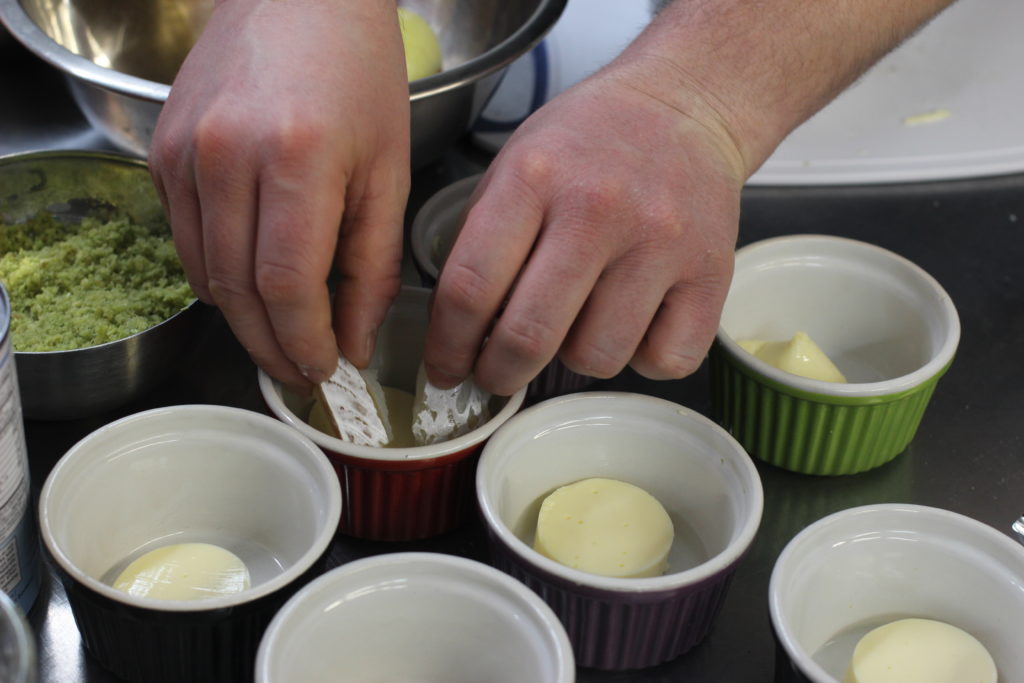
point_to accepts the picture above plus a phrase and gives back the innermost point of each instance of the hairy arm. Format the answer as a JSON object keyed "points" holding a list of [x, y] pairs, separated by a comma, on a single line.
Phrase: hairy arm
{"points": [[756, 70]]}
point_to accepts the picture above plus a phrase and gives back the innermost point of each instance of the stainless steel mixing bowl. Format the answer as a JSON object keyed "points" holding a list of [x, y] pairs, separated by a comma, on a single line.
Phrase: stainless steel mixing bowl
{"points": [[120, 57], [59, 385]]}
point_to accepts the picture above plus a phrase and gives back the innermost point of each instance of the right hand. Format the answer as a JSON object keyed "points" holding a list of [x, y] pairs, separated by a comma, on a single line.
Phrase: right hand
{"points": [[282, 150], [603, 233]]}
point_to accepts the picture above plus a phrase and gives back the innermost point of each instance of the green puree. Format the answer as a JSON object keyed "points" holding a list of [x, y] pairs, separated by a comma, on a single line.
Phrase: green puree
{"points": [[79, 285]]}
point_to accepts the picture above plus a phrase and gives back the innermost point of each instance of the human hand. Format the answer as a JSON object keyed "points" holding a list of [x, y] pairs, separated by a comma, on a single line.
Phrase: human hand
{"points": [[289, 122], [603, 231]]}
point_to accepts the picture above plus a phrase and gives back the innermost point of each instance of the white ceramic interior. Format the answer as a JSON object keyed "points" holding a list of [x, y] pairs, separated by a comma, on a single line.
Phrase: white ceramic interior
{"points": [[437, 224], [885, 322], [701, 475], [862, 567], [398, 354], [199, 473], [422, 617]]}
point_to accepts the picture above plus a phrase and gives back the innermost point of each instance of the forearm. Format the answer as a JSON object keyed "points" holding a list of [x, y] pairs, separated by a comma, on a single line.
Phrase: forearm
{"points": [[752, 70]]}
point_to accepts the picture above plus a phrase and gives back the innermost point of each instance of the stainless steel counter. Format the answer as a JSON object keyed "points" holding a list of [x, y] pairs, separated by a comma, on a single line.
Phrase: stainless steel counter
{"points": [[968, 455]]}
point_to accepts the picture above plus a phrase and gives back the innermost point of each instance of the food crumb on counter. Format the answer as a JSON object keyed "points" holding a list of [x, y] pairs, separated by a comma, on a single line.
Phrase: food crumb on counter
{"points": [[933, 116]]}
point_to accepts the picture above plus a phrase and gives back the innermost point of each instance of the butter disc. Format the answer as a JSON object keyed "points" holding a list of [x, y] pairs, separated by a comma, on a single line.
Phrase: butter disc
{"points": [[184, 571], [606, 527], [797, 356], [920, 651]]}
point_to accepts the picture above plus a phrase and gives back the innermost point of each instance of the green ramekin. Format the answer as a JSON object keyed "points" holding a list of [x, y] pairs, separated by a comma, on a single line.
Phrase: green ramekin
{"points": [[835, 289]]}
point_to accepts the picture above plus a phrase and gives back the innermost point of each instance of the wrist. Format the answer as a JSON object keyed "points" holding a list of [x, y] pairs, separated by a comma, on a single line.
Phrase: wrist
{"points": [[695, 107], [755, 71]]}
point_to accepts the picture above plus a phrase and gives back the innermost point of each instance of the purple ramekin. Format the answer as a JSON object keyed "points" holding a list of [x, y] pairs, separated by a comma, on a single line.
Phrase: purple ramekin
{"points": [[700, 474]]}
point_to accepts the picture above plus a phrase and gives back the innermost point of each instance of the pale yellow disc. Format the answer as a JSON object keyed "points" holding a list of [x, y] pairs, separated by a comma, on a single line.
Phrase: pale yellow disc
{"points": [[920, 651], [184, 571], [606, 527]]}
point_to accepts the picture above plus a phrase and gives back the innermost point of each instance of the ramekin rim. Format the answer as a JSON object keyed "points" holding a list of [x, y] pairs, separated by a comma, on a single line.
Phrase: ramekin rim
{"points": [[320, 546], [935, 366], [269, 388], [797, 655], [552, 630], [717, 564], [419, 230]]}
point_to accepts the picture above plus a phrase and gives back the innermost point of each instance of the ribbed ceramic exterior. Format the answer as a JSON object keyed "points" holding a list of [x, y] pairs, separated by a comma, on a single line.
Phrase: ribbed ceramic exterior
{"points": [[555, 380], [404, 500], [813, 433], [151, 646], [621, 630]]}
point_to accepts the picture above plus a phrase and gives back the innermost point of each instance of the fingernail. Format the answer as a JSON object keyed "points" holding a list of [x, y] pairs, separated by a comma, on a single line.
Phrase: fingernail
{"points": [[369, 344], [314, 375]]}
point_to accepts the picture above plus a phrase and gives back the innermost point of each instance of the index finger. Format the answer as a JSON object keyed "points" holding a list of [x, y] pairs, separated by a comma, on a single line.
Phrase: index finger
{"points": [[300, 207], [499, 230]]}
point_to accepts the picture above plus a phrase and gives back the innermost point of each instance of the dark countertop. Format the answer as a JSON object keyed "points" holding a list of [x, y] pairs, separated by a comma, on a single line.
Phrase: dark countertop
{"points": [[968, 234]]}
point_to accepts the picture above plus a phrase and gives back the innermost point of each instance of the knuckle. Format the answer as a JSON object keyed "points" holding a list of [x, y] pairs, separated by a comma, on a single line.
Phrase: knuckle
{"points": [[662, 216], [465, 289], [668, 363], [293, 137], [279, 283], [226, 291], [222, 136], [215, 137], [525, 339], [717, 266], [161, 153], [601, 195], [299, 347], [592, 360], [456, 362], [535, 166]]}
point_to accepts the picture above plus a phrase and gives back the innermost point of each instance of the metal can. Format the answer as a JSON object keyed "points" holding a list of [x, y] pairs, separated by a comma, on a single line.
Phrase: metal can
{"points": [[19, 542]]}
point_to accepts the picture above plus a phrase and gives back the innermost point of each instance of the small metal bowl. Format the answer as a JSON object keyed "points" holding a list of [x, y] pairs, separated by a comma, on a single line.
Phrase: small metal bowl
{"points": [[60, 385], [119, 59]]}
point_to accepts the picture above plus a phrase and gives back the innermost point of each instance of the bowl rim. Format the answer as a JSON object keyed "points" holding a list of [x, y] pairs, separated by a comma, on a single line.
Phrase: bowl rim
{"points": [[172, 319], [935, 367], [72, 153], [88, 156], [26, 32], [520, 41], [554, 632], [715, 565], [270, 389], [797, 655], [423, 227], [321, 544]]}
